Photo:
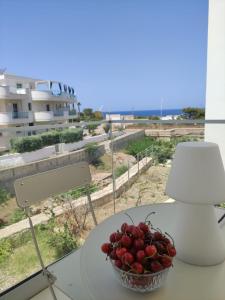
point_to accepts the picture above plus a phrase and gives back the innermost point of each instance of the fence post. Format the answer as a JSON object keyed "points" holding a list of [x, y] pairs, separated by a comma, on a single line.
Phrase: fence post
{"points": [[113, 173], [138, 161], [128, 172]]}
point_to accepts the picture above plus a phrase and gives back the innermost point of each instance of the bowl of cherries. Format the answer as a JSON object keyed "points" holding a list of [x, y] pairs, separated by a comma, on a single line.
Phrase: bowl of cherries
{"points": [[141, 256]]}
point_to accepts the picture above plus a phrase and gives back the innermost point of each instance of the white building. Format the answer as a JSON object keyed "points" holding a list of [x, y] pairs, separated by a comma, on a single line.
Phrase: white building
{"points": [[215, 87], [116, 117], [29, 101]]}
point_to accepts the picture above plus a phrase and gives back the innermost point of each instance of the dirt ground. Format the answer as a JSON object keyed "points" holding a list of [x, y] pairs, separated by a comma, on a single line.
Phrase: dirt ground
{"points": [[149, 188], [101, 175]]}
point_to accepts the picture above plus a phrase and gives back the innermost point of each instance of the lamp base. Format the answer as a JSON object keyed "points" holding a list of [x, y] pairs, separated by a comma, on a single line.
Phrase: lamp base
{"points": [[198, 238]]}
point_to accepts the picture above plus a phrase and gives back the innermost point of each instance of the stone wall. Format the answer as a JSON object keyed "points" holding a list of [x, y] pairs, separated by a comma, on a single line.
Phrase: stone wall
{"points": [[8, 176], [122, 141]]}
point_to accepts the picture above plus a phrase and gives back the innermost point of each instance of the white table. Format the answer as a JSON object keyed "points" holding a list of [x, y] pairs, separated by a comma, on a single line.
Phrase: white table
{"points": [[184, 282]]}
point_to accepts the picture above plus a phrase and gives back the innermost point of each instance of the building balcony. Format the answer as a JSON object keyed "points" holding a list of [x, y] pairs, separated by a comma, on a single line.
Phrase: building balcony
{"points": [[46, 116], [49, 96], [7, 118], [11, 93]]}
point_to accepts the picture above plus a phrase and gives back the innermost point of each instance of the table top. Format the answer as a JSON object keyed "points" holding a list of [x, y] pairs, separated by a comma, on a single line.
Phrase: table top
{"points": [[184, 281]]}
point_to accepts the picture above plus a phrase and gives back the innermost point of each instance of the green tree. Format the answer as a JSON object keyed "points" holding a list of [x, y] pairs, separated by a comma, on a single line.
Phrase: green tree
{"points": [[193, 113], [154, 118], [106, 127], [88, 113], [78, 107], [91, 128], [97, 115]]}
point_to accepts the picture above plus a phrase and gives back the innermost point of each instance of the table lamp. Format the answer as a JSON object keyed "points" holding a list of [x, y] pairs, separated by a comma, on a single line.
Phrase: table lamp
{"points": [[197, 182]]}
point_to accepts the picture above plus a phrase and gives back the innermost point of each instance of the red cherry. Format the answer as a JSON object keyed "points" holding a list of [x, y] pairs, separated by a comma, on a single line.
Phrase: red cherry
{"points": [[158, 236], [120, 252], [141, 234], [156, 266], [150, 250], [140, 256], [125, 268], [124, 227], [136, 267], [130, 228], [144, 227], [171, 250], [112, 237], [166, 240], [118, 263], [113, 254], [139, 244], [133, 250], [166, 261], [160, 247], [135, 232], [126, 241], [127, 258], [106, 248], [118, 236]]}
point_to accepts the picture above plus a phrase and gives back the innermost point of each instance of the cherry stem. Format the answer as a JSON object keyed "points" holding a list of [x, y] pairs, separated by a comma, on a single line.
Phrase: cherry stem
{"points": [[129, 217], [148, 215], [170, 237], [159, 230]]}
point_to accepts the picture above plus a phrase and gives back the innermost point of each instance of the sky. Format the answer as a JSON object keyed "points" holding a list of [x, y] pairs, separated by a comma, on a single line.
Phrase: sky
{"points": [[117, 54]]}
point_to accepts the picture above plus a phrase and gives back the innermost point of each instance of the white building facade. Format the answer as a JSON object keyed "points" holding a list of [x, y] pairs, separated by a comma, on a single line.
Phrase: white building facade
{"points": [[26, 101], [215, 90]]}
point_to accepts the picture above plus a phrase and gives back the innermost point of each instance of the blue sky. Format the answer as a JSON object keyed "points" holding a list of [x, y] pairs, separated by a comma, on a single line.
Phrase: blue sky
{"points": [[119, 54]]}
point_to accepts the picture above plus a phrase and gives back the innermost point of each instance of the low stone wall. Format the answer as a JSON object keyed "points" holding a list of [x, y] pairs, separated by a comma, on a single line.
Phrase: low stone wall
{"points": [[122, 141], [98, 198], [18, 159], [174, 132], [8, 176]]}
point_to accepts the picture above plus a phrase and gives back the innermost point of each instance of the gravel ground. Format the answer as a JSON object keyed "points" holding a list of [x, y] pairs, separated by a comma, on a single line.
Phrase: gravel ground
{"points": [[149, 188]]}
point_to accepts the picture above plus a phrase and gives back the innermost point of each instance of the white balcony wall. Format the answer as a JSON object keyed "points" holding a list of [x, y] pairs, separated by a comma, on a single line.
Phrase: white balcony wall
{"points": [[48, 96], [46, 116], [215, 91], [43, 116], [20, 118]]}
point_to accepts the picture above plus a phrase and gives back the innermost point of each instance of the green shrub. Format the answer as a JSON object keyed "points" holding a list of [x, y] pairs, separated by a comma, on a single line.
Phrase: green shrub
{"points": [[26, 144], [106, 127], [161, 153], [5, 249], [92, 150], [81, 191], [120, 170], [2, 223], [35, 142], [17, 215], [71, 135], [21, 238], [135, 147], [91, 128], [63, 241], [160, 150], [50, 138], [4, 195]]}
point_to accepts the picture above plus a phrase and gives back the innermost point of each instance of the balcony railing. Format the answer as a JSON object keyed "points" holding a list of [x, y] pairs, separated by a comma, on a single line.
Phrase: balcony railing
{"points": [[20, 115], [135, 166], [15, 117], [72, 112], [58, 113], [49, 96]]}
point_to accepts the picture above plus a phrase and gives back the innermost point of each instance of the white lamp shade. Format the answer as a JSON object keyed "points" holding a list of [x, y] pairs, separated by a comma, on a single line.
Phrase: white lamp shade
{"points": [[197, 174]]}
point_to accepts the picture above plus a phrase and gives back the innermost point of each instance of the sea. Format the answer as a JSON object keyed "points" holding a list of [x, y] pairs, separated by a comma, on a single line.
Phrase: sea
{"points": [[146, 113]]}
